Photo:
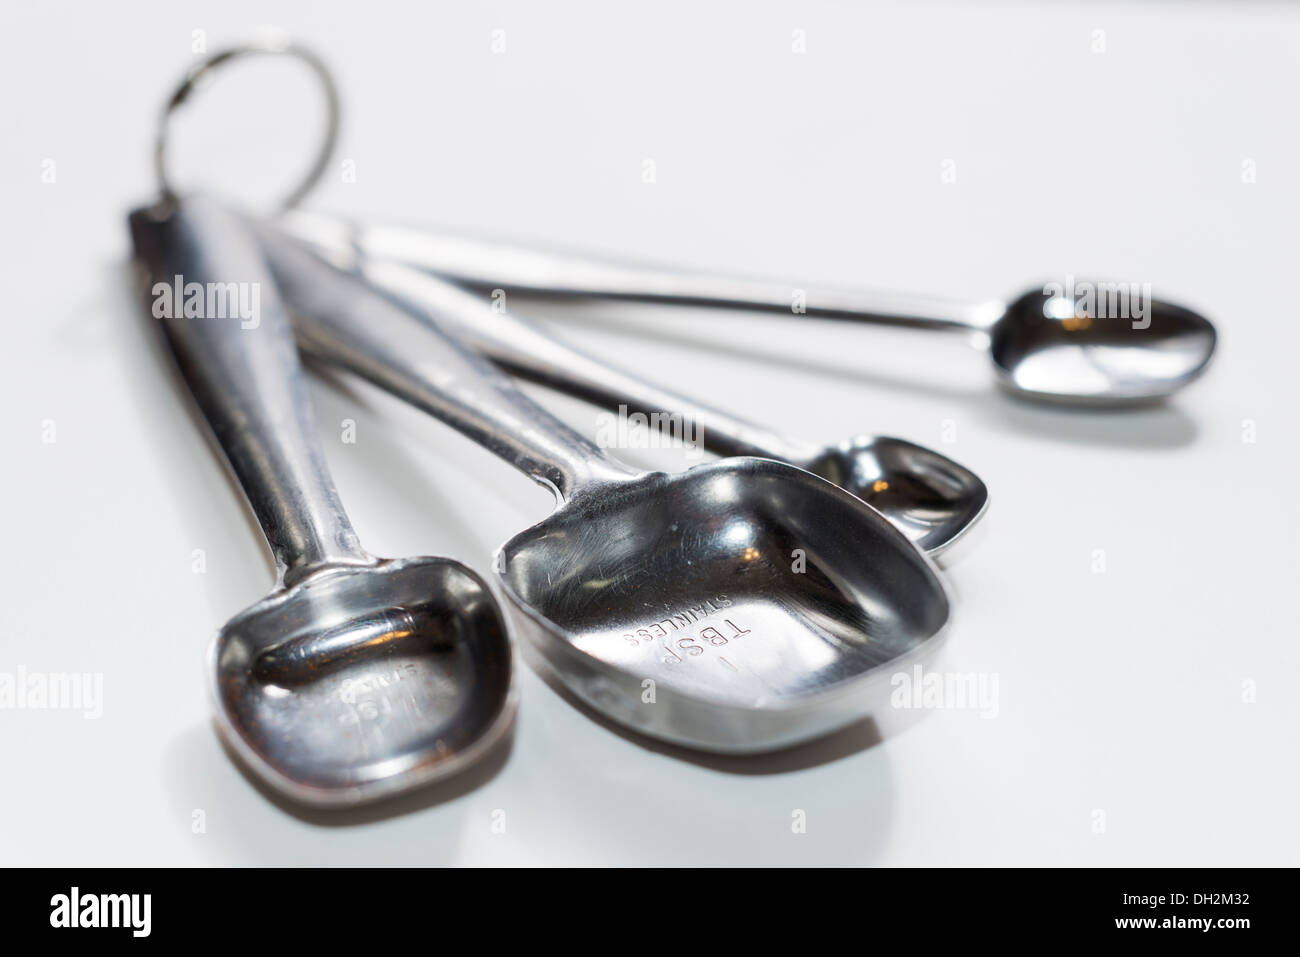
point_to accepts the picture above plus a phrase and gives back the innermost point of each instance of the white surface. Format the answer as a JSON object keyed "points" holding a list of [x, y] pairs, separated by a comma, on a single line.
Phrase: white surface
{"points": [[1120, 691]]}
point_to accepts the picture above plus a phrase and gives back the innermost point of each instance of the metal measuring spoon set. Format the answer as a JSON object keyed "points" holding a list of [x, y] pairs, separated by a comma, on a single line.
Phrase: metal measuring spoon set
{"points": [[744, 605]]}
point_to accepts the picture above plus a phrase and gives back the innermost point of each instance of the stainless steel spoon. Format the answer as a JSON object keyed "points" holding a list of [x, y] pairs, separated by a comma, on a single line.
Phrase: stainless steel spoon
{"points": [[740, 606], [1046, 344], [933, 500], [355, 678]]}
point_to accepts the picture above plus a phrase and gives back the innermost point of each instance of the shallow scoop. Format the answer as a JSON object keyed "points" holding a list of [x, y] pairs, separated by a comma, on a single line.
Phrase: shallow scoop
{"points": [[740, 606], [1096, 348], [360, 682], [927, 496]]}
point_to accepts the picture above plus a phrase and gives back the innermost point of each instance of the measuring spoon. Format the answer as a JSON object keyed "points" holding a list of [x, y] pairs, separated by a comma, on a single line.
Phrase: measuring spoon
{"points": [[356, 677], [1058, 343], [743, 605], [930, 498]]}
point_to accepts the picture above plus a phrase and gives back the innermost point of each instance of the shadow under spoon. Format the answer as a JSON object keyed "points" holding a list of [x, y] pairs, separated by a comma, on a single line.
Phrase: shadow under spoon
{"points": [[743, 605], [355, 678]]}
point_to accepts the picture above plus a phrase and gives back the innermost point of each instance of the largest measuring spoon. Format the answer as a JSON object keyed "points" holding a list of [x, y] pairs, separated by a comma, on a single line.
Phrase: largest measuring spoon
{"points": [[740, 606]]}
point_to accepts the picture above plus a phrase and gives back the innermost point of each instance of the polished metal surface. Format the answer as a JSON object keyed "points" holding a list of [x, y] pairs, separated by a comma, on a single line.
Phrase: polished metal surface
{"points": [[743, 605], [1042, 348], [930, 498], [1065, 349], [355, 678], [269, 44]]}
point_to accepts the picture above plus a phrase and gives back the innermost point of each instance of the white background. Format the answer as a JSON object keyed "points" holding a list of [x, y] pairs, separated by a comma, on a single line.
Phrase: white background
{"points": [[1120, 692]]}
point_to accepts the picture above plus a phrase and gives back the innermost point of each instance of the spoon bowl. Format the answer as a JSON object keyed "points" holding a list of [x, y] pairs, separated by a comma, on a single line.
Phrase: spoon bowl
{"points": [[744, 605], [934, 501], [354, 683], [1061, 348], [741, 606], [1055, 348], [356, 678], [930, 498]]}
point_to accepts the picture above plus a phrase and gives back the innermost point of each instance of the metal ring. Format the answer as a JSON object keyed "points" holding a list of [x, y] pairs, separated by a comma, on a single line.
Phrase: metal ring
{"points": [[272, 46]]}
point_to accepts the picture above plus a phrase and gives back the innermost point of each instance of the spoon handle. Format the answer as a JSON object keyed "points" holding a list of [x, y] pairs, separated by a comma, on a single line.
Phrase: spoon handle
{"points": [[342, 320], [513, 266], [217, 305], [532, 353]]}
